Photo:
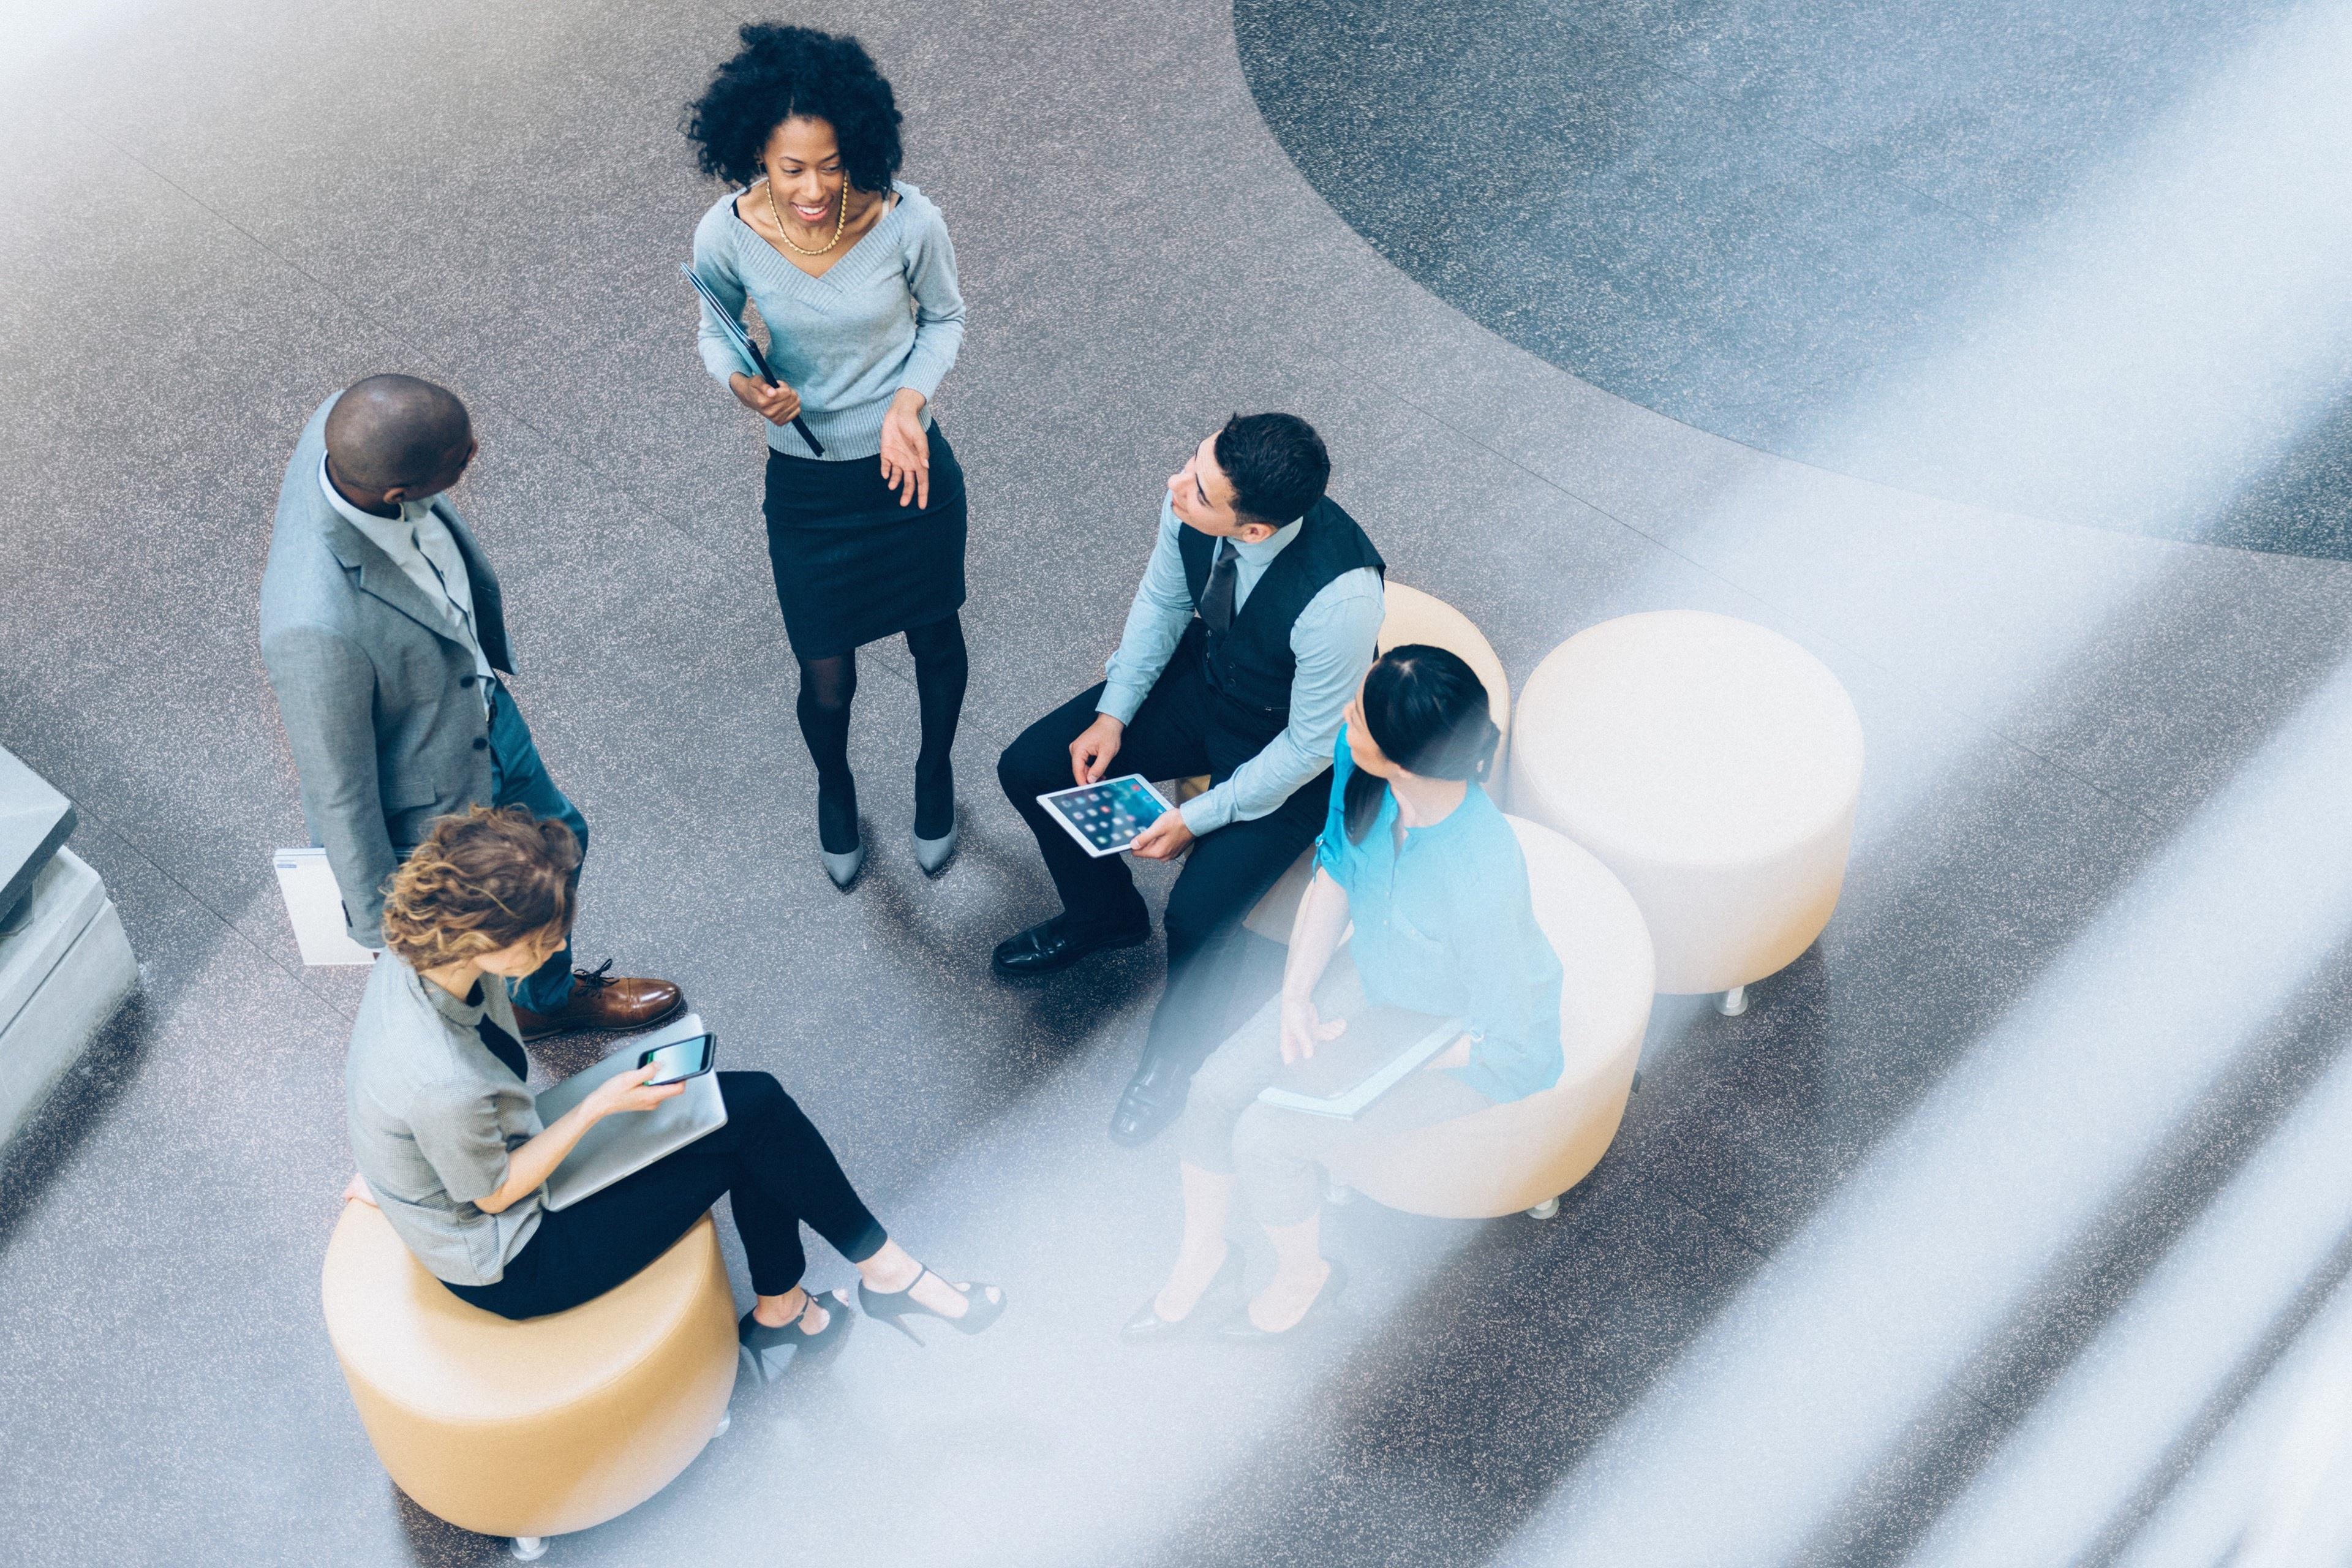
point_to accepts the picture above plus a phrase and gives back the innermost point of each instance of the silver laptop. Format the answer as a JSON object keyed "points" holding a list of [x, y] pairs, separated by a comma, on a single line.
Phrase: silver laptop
{"points": [[623, 1145]]}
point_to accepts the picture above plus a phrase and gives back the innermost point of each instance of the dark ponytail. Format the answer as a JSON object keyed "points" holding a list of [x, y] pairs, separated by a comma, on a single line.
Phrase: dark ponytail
{"points": [[1426, 711]]}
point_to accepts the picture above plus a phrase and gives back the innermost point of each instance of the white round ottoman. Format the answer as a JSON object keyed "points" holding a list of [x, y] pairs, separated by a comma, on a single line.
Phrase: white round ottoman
{"points": [[1525, 1154], [1715, 767]]}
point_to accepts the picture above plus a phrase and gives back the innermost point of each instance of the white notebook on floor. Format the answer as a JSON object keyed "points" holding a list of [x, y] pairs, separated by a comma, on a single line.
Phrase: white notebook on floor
{"points": [[315, 907]]}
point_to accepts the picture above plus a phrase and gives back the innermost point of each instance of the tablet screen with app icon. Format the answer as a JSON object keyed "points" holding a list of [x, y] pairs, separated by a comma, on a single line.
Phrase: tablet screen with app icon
{"points": [[1106, 817]]}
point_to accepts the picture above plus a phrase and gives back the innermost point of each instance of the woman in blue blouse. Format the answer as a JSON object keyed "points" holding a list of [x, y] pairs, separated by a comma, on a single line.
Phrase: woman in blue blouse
{"points": [[853, 273], [1422, 863]]}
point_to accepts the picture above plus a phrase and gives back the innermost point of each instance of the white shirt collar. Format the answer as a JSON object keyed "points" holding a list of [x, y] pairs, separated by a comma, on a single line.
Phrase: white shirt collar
{"points": [[1272, 545], [395, 536]]}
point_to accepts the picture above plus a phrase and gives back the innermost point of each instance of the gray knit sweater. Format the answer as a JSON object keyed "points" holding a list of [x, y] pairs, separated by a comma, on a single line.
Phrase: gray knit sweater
{"points": [[886, 315]]}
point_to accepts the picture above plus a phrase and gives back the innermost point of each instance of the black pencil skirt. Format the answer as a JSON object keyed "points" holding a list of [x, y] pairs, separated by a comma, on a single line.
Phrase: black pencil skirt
{"points": [[852, 565]]}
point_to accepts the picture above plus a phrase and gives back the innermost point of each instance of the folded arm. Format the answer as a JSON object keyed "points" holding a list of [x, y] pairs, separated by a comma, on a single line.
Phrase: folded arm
{"points": [[720, 356]]}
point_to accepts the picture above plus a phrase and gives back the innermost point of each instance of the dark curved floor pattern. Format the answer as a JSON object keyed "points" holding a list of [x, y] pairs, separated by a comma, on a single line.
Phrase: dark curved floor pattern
{"points": [[1739, 213]]}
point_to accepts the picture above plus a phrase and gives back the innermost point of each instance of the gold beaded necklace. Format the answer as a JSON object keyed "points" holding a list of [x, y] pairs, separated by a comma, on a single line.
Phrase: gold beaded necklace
{"points": [[839, 223]]}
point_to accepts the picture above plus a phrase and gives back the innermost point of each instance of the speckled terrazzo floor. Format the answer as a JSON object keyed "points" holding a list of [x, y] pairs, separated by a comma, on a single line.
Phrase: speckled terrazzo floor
{"points": [[2013, 1176], [2015, 255]]}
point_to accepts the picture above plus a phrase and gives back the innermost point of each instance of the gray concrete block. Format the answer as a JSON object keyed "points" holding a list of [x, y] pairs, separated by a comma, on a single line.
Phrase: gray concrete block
{"points": [[34, 820], [64, 967]]}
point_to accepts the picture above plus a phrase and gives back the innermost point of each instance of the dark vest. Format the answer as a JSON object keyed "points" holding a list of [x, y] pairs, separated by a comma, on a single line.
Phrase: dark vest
{"points": [[1250, 666]]}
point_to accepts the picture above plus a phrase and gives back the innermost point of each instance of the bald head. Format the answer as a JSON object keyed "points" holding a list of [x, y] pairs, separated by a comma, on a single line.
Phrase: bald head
{"points": [[397, 433]]}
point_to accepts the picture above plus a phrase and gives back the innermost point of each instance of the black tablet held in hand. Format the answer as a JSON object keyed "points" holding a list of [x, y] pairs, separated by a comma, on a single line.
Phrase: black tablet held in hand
{"points": [[1107, 817]]}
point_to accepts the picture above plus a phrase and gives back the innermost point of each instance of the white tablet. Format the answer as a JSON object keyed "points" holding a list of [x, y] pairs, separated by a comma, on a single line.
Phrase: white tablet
{"points": [[1106, 817]]}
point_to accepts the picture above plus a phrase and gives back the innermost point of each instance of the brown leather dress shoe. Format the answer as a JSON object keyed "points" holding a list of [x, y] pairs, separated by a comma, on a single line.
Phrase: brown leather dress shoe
{"points": [[602, 1001]]}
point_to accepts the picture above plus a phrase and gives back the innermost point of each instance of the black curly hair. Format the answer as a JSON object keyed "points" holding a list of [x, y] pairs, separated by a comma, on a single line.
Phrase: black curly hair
{"points": [[785, 71]]}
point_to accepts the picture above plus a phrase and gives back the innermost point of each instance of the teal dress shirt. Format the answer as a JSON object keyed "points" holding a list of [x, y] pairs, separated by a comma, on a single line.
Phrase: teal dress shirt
{"points": [[1444, 925]]}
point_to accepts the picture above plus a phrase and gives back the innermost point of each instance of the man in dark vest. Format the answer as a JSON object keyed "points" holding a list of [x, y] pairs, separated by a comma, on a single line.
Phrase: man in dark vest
{"points": [[1254, 623]]}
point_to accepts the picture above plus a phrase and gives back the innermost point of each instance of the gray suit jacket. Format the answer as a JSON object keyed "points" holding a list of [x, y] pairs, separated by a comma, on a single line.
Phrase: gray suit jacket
{"points": [[380, 701]]}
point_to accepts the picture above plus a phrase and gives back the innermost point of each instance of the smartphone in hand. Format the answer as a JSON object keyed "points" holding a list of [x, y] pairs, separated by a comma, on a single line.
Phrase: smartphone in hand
{"points": [[681, 1059]]}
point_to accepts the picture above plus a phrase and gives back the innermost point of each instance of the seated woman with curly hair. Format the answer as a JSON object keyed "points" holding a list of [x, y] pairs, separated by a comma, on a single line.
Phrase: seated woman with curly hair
{"points": [[449, 1142], [852, 271]]}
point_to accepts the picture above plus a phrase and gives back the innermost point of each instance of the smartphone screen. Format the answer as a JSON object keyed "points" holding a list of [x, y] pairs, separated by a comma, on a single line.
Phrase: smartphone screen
{"points": [[681, 1059]]}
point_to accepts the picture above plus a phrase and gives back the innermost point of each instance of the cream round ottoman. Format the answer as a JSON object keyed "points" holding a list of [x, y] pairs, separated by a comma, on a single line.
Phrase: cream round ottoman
{"points": [[1715, 767], [1409, 615], [538, 1427], [1526, 1154]]}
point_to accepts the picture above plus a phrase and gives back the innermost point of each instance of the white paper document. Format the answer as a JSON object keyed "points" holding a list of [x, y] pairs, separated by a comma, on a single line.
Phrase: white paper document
{"points": [[315, 906]]}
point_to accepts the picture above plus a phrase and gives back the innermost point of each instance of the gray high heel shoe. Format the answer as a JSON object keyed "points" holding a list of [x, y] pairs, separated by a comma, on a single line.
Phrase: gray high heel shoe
{"points": [[844, 869], [933, 854]]}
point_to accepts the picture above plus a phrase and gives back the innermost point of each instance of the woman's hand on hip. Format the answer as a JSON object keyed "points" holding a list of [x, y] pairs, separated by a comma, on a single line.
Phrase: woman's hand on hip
{"points": [[630, 1091], [1303, 1029], [906, 450], [777, 405]]}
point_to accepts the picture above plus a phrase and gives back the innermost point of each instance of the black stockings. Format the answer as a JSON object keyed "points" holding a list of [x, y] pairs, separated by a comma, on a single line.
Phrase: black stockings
{"points": [[828, 687], [941, 671]]}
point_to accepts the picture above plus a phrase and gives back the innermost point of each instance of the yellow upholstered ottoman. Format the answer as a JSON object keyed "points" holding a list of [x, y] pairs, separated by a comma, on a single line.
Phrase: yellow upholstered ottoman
{"points": [[1715, 766], [538, 1427], [1526, 1154]]}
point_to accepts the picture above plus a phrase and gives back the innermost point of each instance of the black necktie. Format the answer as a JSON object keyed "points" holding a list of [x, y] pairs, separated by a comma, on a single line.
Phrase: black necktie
{"points": [[1217, 600], [505, 1046]]}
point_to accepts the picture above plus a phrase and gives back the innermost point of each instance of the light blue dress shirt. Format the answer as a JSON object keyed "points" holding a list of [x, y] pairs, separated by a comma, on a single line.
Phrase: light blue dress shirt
{"points": [[1333, 641], [1445, 924]]}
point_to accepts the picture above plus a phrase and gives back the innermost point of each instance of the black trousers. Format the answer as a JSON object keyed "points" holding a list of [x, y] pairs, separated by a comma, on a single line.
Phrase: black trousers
{"points": [[769, 1158], [1227, 872]]}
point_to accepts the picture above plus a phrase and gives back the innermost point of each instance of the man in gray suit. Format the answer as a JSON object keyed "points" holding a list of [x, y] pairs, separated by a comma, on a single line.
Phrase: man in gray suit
{"points": [[384, 630]]}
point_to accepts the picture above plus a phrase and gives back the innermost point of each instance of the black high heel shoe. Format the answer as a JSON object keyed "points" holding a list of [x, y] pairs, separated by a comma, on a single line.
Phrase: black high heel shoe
{"points": [[1242, 1331], [894, 1307], [1149, 1328], [765, 1346]]}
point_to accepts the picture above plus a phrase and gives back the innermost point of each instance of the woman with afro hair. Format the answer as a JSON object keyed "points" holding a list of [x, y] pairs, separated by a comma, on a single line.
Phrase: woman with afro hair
{"points": [[852, 271]]}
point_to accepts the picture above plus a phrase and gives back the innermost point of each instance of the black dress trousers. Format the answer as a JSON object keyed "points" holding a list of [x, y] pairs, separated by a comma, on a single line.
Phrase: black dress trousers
{"points": [[1174, 734], [769, 1160]]}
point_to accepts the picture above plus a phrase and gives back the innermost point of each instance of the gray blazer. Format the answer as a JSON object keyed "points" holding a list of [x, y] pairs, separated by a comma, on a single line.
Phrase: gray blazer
{"points": [[380, 701]]}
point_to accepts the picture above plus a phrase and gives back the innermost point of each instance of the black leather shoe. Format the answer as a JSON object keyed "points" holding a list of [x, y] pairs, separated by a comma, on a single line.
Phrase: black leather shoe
{"points": [[1241, 1331], [1154, 1098], [1149, 1328], [1050, 944]]}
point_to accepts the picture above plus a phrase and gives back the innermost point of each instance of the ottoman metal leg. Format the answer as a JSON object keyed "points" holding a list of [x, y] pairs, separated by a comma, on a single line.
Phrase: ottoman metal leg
{"points": [[1545, 1210], [528, 1548], [726, 1419], [1732, 1003]]}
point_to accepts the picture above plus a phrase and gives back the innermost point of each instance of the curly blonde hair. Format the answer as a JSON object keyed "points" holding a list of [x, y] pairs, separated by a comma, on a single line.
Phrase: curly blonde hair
{"points": [[484, 880]]}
